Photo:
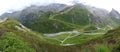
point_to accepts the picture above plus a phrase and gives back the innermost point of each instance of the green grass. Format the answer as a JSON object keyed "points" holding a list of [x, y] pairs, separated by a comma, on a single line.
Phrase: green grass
{"points": [[53, 41], [81, 39], [72, 39], [102, 48], [49, 26], [89, 28]]}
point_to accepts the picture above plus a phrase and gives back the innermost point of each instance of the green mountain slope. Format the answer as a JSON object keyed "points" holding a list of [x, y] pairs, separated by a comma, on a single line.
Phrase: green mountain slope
{"points": [[49, 26], [70, 18], [77, 15], [14, 37]]}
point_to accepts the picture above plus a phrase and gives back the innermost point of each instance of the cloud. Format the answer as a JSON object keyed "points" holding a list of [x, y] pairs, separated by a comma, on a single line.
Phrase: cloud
{"points": [[13, 5], [106, 4]]}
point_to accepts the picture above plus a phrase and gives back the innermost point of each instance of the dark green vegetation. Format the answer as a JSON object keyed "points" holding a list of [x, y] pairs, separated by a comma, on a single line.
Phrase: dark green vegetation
{"points": [[49, 26], [90, 27], [9, 42]]}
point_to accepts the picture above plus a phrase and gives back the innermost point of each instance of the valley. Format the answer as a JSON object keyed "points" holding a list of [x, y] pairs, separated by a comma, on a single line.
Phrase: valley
{"points": [[60, 28]]}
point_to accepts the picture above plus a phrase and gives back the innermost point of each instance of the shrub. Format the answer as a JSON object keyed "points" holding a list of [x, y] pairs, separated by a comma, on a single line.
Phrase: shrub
{"points": [[9, 42], [102, 48]]}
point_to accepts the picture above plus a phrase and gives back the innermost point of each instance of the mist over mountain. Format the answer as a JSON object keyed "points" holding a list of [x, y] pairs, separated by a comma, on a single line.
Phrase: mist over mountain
{"points": [[16, 5]]}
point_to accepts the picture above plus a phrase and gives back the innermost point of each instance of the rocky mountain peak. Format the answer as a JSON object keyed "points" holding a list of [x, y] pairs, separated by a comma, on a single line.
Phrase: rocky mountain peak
{"points": [[113, 10], [115, 13]]}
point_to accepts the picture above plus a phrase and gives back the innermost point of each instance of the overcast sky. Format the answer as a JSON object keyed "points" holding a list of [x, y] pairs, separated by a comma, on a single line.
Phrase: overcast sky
{"points": [[13, 5]]}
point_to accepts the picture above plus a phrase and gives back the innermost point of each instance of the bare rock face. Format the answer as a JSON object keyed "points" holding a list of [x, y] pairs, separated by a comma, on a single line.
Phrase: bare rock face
{"points": [[97, 11], [115, 14]]}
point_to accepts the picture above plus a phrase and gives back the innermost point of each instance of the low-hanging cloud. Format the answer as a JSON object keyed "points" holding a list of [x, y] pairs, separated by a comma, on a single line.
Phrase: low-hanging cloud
{"points": [[15, 5]]}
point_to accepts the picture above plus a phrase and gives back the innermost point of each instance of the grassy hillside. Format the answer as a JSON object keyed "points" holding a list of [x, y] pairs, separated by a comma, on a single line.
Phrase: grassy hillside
{"points": [[9, 42], [14, 39], [76, 15], [49, 26], [109, 42]]}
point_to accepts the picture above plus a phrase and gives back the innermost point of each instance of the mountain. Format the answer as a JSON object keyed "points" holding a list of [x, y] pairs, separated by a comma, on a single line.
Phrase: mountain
{"points": [[34, 11], [13, 15], [61, 17], [72, 16], [98, 11], [102, 16], [16, 37], [115, 13], [80, 13], [115, 16], [60, 28]]}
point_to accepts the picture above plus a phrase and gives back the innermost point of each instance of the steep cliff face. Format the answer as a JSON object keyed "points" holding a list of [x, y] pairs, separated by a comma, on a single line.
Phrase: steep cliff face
{"points": [[97, 11], [101, 17], [115, 16]]}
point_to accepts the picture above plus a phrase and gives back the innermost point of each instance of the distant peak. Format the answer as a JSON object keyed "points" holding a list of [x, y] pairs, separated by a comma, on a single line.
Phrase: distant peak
{"points": [[113, 10], [115, 13]]}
